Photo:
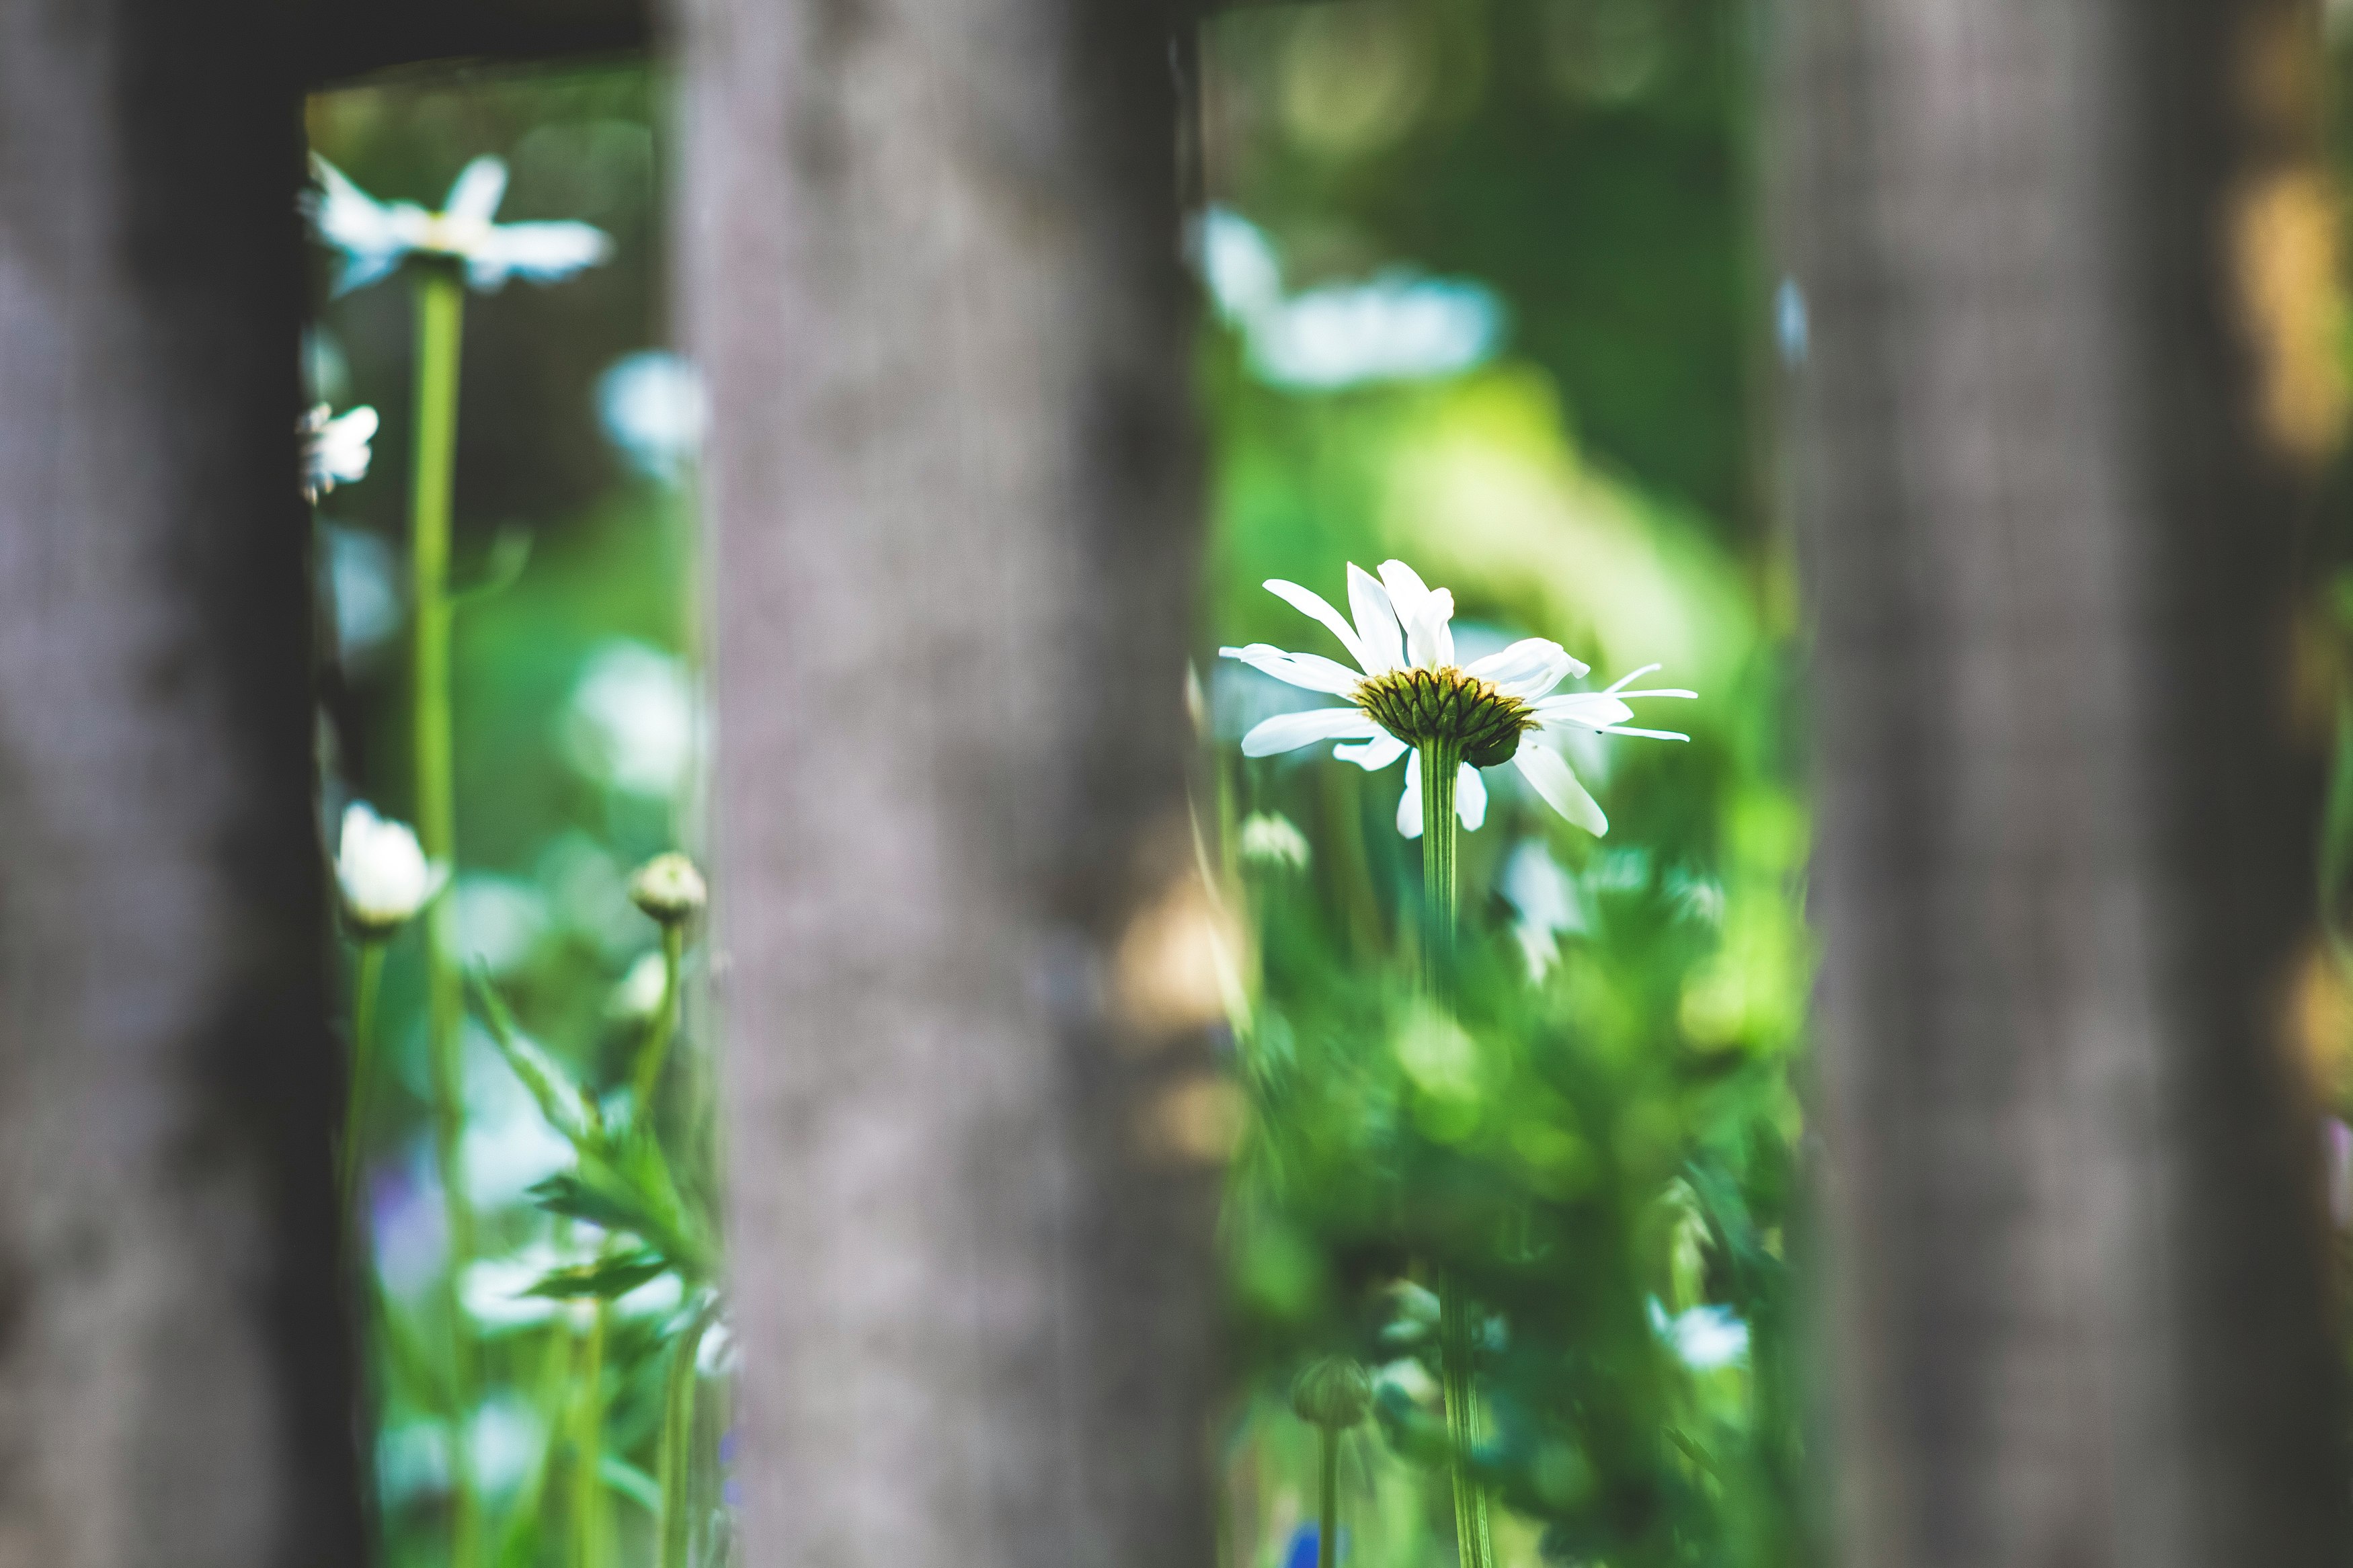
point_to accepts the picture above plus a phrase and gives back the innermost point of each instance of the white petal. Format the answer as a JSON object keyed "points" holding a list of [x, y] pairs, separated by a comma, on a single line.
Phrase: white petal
{"points": [[1289, 731], [1631, 676], [1310, 670], [1470, 798], [1591, 709], [1372, 756], [541, 252], [475, 193], [1376, 622], [1527, 669], [1646, 735], [1405, 589], [1310, 602], [1424, 612], [1542, 768], [1409, 807]]}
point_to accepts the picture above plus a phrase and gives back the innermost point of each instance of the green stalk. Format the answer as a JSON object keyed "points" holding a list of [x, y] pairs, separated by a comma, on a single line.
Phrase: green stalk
{"points": [[440, 314], [588, 1513], [1327, 1516], [677, 1443], [655, 1049], [365, 982], [1474, 1543]]}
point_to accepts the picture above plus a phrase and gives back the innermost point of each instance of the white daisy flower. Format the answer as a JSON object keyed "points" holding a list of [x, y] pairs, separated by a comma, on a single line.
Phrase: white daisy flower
{"points": [[1406, 692], [334, 451], [383, 873], [375, 237]]}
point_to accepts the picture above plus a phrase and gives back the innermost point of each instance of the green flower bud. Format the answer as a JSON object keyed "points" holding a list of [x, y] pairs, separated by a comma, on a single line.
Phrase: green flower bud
{"points": [[669, 889], [1333, 1394]]}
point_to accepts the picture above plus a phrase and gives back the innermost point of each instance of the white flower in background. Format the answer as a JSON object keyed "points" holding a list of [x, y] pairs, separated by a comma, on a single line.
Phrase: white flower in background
{"points": [[383, 872], [1406, 692], [1546, 900], [363, 583], [1396, 326], [335, 450], [377, 236], [1704, 1338], [1270, 840], [639, 993], [651, 406], [633, 721]]}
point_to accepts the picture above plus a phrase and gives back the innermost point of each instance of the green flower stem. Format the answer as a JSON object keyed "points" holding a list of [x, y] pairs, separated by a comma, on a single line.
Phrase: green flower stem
{"points": [[589, 1510], [366, 981], [678, 1443], [1439, 765], [647, 1076], [1327, 1513], [1474, 1543], [440, 315]]}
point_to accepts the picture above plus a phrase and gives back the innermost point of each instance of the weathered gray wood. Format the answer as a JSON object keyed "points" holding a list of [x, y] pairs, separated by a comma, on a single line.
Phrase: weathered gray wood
{"points": [[932, 275], [173, 1384], [2064, 837], [343, 40]]}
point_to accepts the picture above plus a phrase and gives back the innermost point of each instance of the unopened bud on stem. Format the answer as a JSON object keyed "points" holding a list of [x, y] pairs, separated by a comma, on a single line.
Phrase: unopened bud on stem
{"points": [[1333, 1394], [668, 889]]}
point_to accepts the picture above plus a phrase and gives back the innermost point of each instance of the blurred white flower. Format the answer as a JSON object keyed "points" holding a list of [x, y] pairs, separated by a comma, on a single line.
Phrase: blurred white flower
{"points": [[375, 237], [641, 990], [1397, 326], [362, 584], [1238, 264], [508, 1145], [1546, 900], [633, 721], [1704, 1338], [1407, 692], [507, 1439], [1411, 1381], [382, 872], [651, 407], [1269, 839], [499, 921], [335, 450]]}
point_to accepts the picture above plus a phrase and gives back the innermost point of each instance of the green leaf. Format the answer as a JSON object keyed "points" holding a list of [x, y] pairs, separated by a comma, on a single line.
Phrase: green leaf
{"points": [[625, 1185], [602, 1279], [569, 1109], [630, 1482]]}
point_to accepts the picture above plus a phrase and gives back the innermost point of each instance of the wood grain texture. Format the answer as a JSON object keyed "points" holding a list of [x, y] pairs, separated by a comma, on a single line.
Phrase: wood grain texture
{"points": [[342, 40], [173, 1384], [2065, 838], [932, 274]]}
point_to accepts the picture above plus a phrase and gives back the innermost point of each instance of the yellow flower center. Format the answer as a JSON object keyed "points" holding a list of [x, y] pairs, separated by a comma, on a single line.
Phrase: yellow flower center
{"points": [[1448, 709]]}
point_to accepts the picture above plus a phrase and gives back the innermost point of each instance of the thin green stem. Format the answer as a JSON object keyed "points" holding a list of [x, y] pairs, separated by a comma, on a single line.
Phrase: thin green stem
{"points": [[1327, 1514], [678, 1443], [366, 981], [647, 1077], [1474, 1543], [589, 1510], [440, 315], [1440, 767]]}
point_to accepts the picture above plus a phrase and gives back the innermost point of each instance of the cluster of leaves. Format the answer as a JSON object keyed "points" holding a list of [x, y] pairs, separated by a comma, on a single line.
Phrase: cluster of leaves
{"points": [[619, 1179]]}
